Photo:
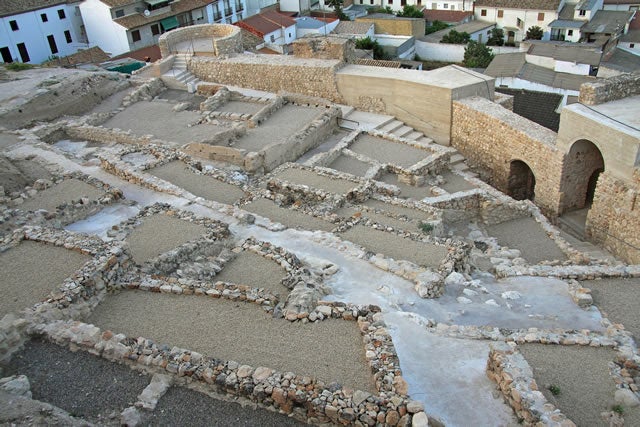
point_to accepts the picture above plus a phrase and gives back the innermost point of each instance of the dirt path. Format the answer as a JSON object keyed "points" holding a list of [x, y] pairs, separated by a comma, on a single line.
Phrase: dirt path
{"points": [[619, 299]]}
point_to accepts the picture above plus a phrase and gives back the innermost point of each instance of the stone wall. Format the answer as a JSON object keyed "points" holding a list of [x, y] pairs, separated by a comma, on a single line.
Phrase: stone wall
{"points": [[272, 73], [225, 39], [490, 137], [617, 87], [396, 26], [325, 47]]}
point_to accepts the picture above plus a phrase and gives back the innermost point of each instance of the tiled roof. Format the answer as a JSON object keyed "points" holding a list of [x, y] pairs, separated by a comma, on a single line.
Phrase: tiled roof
{"points": [[506, 65], [250, 40], [630, 2], [586, 4], [93, 55], [468, 27], [14, 7], [567, 12], [352, 27], [266, 22], [378, 63], [152, 52], [566, 23], [117, 3], [138, 20], [520, 4], [607, 22], [453, 16], [623, 61], [569, 52], [539, 107]]}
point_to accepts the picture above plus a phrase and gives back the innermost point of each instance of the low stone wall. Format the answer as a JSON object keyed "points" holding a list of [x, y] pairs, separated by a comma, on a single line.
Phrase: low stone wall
{"points": [[610, 89], [225, 39], [325, 47]]}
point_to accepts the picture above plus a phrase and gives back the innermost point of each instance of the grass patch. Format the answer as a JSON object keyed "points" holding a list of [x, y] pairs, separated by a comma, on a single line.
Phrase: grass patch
{"points": [[554, 389], [426, 227], [18, 66], [618, 409]]}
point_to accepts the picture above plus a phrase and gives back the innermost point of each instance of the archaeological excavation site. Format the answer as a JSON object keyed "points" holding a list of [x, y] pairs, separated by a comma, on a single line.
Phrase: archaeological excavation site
{"points": [[259, 240]]}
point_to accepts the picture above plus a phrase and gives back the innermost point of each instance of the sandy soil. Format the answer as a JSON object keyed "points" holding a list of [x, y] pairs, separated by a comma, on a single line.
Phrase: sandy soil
{"points": [[287, 217], [395, 246], [32, 270], [398, 210], [454, 183], [312, 179], [158, 119], [64, 192], [15, 175], [388, 221], [159, 234], [207, 187], [242, 107], [526, 235], [581, 373], [406, 191], [385, 151], [280, 125], [350, 165], [331, 350], [619, 299], [249, 268]]}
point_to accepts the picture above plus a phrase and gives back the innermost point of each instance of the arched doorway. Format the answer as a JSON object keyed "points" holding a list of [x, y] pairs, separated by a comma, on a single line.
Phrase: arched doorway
{"points": [[583, 165], [591, 187], [522, 181]]}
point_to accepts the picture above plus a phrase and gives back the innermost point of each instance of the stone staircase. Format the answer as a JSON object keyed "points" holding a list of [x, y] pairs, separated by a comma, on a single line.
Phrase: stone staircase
{"points": [[179, 76]]}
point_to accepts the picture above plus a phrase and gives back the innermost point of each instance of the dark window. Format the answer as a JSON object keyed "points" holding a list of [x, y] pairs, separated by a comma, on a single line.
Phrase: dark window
{"points": [[24, 55], [44, 18], [500, 13], [119, 13], [61, 14], [570, 32], [67, 36], [632, 45], [583, 13], [403, 2], [155, 29], [52, 44], [14, 25], [135, 35], [390, 1], [6, 55], [541, 16], [483, 12]]}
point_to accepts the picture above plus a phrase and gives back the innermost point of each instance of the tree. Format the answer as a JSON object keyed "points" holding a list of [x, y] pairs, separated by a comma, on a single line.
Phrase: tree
{"points": [[368, 44], [455, 37], [337, 6], [496, 38], [477, 55], [535, 33], [386, 10], [435, 26], [410, 11]]}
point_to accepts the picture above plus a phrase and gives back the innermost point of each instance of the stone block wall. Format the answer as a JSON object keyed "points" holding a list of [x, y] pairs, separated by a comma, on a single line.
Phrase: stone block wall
{"points": [[611, 89], [322, 47], [272, 73], [490, 137], [396, 26], [225, 39]]}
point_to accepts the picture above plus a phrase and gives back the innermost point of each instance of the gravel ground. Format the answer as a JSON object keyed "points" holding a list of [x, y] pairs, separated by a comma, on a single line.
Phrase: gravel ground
{"points": [[619, 299], [350, 165], [280, 125], [160, 233], [178, 173], [312, 179], [581, 373], [111, 103], [177, 95], [454, 183], [30, 271], [242, 107], [184, 407], [82, 384], [64, 192], [526, 235], [348, 212], [331, 350], [398, 210], [158, 119], [406, 191], [249, 268], [386, 151], [287, 217], [395, 246], [17, 174]]}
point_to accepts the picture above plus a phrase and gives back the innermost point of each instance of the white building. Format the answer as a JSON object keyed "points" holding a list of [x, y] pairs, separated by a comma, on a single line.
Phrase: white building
{"points": [[308, 25], [34, 31], [120, 26], [277, 30]]}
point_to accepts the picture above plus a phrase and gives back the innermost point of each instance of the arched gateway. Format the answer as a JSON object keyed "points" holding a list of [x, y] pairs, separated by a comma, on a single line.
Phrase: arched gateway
{"points": [[522, 181]]}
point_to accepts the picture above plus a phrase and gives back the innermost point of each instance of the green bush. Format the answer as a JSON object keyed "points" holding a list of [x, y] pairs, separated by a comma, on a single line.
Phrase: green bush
{"points": [[477, 55], [368, 44], [535, 33], [410, 11], [496, 38], [435, 27], [18, 66], [554, 389], [455, 37], [426, 227]]}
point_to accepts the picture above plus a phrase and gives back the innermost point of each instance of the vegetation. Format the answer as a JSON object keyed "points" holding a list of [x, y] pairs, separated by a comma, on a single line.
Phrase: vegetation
{"points": [[618, 409], [435, 26], [18, 66], [535, 33], [454, 37], [410, 11], [386, 10], [477, 55], [426, 227], [337, 6], [554, 389], [368, 44], [496, 38]]}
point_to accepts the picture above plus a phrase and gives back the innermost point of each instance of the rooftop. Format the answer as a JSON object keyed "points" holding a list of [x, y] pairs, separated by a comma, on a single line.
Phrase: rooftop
{"points": [[520, 4], [632, 37], [566, 23], [570, 52], [567, 12], [117, 3], [621, 60], [138, 20], [386, 16], [93, 55], [608, 22], [352, 27], [14, 7], [446, 15], [621, 114], [468, 27], [586, 4], [266, 22], [307, 22]]}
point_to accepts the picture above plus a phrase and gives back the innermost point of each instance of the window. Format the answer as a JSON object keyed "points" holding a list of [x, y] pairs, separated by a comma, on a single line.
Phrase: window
{"points": [[289, 35], [632, 45], [135, 35], [583, 13], [434, 6], [24, 55], [273, 38], [403, 2], [119, 13], [155, 29], [52, 44], [500, 13], [570, 32], [14, 25], [6, 55], [390, 1], [61, 14], [453, 7], [44, 18], [445, 6], [541, 16], [483, 12], [67, 36]]}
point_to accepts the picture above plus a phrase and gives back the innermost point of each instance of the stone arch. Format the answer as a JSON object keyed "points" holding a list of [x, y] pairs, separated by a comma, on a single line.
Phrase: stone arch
{"points": [[583, 165], [522, 181]]}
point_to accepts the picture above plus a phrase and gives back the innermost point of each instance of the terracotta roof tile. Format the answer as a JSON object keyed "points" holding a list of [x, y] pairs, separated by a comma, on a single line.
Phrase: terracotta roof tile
{"points": [[14, 7], [266, 22]]}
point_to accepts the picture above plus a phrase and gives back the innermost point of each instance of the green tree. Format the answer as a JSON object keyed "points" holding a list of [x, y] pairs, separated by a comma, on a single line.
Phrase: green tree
{"points": [[535, 33], [368, 44], [435, 26], [410, 11], [477, 55], [496, 38], [455, 37], [337, 6], [386, 10]]}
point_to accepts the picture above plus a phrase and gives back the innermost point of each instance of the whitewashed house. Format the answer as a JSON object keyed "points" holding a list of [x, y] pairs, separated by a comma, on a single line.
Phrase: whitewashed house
{"points": [[308, 25], [34, 31], [277, 30]]}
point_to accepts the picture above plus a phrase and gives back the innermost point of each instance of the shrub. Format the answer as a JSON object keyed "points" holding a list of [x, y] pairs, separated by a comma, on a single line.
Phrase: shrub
{"points": [[368, 44], [426, 227], [455, 37], [435, 26], [18, 66], [535, 33], [477, 55], [554, 389], [496, 38], [618, 409], [410, 11]]}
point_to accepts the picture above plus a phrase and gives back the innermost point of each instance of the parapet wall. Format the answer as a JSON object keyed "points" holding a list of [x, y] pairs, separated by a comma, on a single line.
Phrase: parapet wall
{"points": [[325, 47], [617, 87], [225, 39]]}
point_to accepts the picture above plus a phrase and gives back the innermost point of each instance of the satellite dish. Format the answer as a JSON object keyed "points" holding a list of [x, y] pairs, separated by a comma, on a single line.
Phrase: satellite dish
{"points": [[146, 12]]}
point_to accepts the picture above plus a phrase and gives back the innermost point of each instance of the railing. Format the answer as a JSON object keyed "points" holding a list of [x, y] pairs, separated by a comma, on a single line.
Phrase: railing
{"points": [[228, 12]]}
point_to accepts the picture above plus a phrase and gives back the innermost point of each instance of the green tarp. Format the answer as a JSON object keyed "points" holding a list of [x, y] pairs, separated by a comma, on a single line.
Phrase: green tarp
{"points": [[170, 23]]}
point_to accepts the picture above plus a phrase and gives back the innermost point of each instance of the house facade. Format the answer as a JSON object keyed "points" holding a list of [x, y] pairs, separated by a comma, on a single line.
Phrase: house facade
{"points": [[34, 31], [277, 30]]}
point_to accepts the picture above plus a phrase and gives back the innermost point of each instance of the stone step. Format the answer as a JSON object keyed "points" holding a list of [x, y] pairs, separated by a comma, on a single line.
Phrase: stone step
{"points": [[390, 127], [414, 136], [390, 119], [456, 158], [425, 140], [402, 130], [461, 167], [571, 228]]}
